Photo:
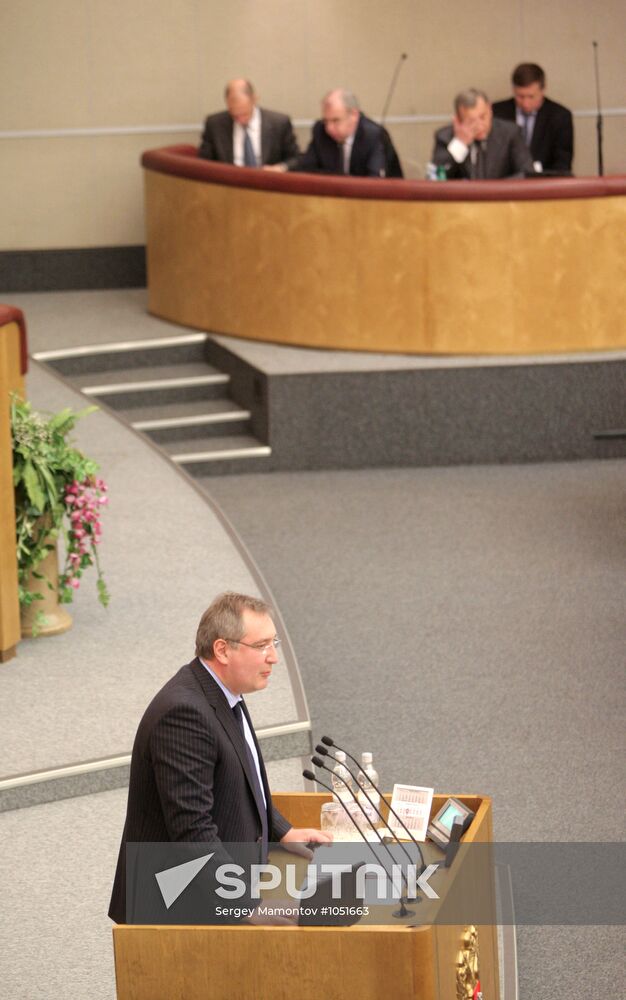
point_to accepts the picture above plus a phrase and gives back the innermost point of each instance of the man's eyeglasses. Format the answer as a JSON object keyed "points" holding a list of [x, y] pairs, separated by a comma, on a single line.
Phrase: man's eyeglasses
{"points": [[261, 647]]}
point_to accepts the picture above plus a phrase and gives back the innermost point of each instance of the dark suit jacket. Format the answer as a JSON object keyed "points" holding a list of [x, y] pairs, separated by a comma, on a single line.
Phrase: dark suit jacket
{"points": [[552, 141], [278, 142], [190, 778], [324, 155], [506, 153]]}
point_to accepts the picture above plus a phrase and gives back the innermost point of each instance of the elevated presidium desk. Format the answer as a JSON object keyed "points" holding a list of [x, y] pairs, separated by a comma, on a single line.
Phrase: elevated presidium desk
{"points": [[481, 267]]}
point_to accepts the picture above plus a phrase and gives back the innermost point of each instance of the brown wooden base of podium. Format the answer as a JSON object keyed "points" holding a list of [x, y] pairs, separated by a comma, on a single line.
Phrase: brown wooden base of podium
{"points": [[362, 962]]}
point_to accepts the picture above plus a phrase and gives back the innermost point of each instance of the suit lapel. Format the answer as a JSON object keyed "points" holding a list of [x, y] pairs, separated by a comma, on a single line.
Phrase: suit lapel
{"points": [[541, 122], [494, 151], [265, 140], [226, 718], [227, 152]]}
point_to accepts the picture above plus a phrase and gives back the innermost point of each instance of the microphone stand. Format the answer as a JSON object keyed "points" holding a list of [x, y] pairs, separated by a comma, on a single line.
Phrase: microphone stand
{"points": [[331, 743], [599, 122], [403, 911], [394, 80], [324, 752]]}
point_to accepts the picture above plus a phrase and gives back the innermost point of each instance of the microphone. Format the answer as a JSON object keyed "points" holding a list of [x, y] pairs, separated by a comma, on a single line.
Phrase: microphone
{"points": [[331, 743], [324, 752], [310, 776], [320, 763], [392, 87], [598, 102]]}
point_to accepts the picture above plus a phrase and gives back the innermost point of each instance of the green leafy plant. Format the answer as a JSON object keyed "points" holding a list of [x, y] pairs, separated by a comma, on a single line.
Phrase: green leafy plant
{"points": [[57, 493]]}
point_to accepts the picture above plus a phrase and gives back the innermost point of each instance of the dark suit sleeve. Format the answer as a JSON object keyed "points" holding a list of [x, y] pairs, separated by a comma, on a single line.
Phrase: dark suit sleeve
{"points": [[442, 158], [563, 146], [308, 161], [311, 160], [290, 151], [183, 755], [280, 825], [207, 150], [376, 160], [504, 110]]}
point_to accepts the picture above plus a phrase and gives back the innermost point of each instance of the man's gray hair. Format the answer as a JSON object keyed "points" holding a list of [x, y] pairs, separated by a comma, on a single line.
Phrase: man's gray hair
{"points": [[223, 619], [245, 89], [469, 98], [347, 98]]}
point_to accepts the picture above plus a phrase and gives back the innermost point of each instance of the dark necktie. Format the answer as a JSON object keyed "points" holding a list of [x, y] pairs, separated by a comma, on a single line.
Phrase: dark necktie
{"points": [[479, 168], [249, 159], [526, 128], [256, 784], [342, 162]]}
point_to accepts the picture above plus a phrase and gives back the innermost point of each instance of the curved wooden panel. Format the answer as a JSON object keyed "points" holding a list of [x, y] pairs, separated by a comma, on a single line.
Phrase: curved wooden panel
{"points": [[13, 364], [408, 275]]}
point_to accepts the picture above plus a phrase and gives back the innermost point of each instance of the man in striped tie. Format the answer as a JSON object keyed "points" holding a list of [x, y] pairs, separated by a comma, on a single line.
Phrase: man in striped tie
{"points": [[248, 135]]}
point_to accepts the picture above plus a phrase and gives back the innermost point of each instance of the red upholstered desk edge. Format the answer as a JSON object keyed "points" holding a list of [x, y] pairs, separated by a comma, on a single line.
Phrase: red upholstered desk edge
{"points": [[10, 314], [183, 161]]}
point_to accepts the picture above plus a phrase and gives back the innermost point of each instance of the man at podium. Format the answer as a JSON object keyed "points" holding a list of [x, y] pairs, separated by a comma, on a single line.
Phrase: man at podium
{"points": [[197, 771]]}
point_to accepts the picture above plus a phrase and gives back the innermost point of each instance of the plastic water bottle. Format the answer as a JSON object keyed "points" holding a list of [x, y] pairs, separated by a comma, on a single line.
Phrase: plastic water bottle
{"points": [[341, 788], [334, 816], [436, 172], [367, 778]]}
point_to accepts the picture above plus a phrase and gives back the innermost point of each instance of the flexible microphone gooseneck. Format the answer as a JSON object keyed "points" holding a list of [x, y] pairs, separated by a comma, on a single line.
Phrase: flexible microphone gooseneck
{"points": [[324, 753], [320, 763], [394, 80], [331, 743], [403, 911], [599, 104]]}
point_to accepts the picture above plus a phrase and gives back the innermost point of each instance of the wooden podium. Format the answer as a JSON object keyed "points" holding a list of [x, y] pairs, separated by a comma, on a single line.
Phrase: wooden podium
{"points": [[362, 962]]}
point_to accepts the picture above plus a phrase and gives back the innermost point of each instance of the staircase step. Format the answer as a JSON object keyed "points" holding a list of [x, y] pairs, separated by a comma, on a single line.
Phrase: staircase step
{"points": [[126, 355], [192, 450], [151, 399], [232, 423], [184, 413], [95, 383]]}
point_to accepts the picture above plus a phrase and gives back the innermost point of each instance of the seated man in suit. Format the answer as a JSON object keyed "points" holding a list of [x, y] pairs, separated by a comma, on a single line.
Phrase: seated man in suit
{"points": [[547, 127], [479, 146], [345, 141], [247, 135], [197, 771]]}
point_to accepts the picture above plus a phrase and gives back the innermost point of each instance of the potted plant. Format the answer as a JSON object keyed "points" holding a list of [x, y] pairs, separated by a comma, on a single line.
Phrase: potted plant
{"points": [[57, 494]]}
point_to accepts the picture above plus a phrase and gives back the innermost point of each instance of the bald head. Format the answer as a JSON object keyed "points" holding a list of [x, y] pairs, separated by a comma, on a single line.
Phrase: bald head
{"points": [[240, 100], [340, 114]]}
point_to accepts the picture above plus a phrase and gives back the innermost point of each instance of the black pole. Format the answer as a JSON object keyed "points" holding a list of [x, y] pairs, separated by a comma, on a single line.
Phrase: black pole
{"points": [[392, 87], [599, 105]]}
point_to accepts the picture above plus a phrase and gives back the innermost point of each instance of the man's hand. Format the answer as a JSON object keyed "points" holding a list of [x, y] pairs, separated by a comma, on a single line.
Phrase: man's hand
{"points": [[296, 839], [464, 130], [280, 168]]}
